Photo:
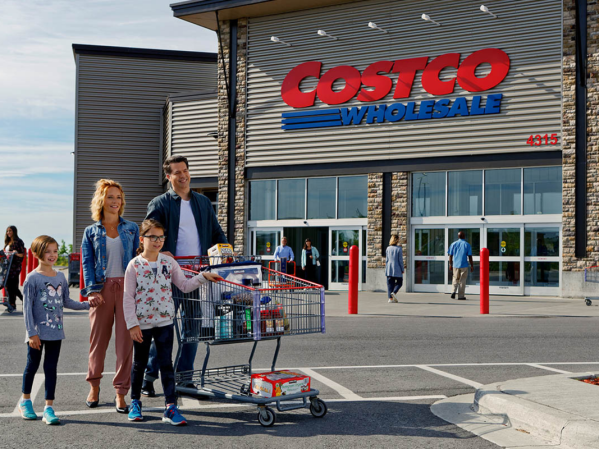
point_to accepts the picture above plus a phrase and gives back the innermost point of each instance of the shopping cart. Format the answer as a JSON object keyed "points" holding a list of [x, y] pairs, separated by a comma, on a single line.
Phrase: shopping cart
{"points": [[591, 276], [5, 263], [246, 312]]}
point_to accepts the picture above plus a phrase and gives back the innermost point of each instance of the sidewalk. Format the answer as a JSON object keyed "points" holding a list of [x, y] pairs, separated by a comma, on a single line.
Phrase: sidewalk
{"points": [[374, 304]]}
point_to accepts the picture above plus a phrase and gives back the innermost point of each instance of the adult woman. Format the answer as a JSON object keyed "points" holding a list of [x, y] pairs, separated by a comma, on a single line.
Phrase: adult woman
{"points": [[394, 268], [12, 242], [108, 246], [309, 260]]}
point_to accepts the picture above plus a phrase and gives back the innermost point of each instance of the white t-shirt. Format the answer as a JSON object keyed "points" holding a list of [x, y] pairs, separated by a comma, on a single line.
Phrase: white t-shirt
{"points": [[188, 242]]}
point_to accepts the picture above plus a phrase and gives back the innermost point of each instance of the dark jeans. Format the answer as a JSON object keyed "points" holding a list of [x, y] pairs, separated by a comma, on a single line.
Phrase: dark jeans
{"points": [[393, 285], [12, 289], [163, 339], [310, 272], [34, 357]]}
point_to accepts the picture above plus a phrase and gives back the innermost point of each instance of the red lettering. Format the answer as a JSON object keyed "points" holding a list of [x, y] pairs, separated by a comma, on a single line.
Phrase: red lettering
{"points": [[500, 66], [352, 78], [430, 77], [290, 91], [382, 84], [407, 72]]}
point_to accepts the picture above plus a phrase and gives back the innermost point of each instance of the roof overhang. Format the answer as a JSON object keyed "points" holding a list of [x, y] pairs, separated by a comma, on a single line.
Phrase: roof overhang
{"points": [[147, 53], [203, 12]]}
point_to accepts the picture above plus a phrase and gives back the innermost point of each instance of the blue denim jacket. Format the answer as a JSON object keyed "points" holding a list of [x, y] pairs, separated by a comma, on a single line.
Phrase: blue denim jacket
{"points": [[93, 252]]}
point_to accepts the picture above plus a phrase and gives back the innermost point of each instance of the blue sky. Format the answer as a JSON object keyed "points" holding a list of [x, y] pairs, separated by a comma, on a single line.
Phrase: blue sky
{"points": [[37, 95]]}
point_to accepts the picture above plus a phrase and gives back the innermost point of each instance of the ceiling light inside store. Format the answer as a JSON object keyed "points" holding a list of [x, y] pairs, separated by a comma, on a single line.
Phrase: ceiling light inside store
{"points": [[324, 34], [483, 8], [428, 19], [279, 41], [375, 27]]}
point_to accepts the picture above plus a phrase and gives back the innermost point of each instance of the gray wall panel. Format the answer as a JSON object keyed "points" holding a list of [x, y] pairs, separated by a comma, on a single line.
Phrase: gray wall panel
{"points": [[119, 112], [529, 31]]}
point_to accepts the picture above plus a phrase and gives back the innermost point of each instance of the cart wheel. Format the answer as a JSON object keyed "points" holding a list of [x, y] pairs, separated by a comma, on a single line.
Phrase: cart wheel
{"points": [[318, 408], [588, 302], [266, 417]]}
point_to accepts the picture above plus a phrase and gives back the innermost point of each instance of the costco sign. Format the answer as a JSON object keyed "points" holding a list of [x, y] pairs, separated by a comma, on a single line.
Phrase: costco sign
{"points": [[377, 81]]}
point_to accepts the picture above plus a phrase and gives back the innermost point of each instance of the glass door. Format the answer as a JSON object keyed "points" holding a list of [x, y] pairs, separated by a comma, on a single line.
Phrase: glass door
{"points": [[429, 273], [542, 261], [505, 259], [341, 240], [473, 236], [264, 241]]}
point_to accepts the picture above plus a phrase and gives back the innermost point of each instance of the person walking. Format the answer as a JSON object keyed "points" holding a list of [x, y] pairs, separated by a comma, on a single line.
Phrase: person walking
{"points": [[310, 261], [108, 246], [14, 244], [460, 253], [285, 254], [394, 268]]}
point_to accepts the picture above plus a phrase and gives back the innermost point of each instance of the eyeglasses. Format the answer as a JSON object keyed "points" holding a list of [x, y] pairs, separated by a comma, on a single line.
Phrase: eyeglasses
{"points": [[155, 238]]}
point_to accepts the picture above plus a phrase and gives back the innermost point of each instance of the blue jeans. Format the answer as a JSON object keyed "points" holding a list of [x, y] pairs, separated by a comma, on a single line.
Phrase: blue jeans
{"points": [[393, 285], [34, 357]]}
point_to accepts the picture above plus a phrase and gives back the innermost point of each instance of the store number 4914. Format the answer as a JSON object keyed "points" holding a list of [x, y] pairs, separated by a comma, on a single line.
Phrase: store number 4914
{"points": [[539, 140]]}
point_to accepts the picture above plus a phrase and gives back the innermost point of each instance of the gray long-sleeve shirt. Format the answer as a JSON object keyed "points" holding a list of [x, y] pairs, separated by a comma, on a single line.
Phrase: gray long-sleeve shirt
{"points": [[44, 299]]}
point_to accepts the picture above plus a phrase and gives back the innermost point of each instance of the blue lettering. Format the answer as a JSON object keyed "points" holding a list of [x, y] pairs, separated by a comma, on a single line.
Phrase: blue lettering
{"points": [[353, 115], [426, 109], [459, 107], [475, 108], [376, 112], [410, 114], [441, 108], [493, 104], [401, 111]]}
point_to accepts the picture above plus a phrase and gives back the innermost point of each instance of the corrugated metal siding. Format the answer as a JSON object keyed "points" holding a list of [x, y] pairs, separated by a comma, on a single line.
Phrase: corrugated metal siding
{"points": [[119, 105], [166, 134], [529, 31], [191, 122]]}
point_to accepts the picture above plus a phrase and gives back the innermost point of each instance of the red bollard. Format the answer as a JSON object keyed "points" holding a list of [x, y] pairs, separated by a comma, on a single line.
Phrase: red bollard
{"points": [[484, 281], [23, 270], [36, 263], [81, 280], [354, 264], [29, 261]]}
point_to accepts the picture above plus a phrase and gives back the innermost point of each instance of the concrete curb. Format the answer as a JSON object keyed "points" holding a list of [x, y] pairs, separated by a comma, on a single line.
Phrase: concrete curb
{"points": [[525, 409]]}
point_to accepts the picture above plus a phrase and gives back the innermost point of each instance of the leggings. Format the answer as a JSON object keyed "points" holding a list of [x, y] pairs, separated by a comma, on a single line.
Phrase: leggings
{"points": [[12, 288], [34, 357]]}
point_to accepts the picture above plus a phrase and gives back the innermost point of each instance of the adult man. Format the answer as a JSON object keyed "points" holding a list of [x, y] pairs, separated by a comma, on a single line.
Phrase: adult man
{"points": [[284, 253], [460, 253], [191, 229]]}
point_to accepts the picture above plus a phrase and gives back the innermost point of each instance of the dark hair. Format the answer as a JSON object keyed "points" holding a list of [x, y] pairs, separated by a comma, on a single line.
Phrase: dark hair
{"points": [[145, 227], [306, 241], [15, 235], [173, 160], [40, 245]]}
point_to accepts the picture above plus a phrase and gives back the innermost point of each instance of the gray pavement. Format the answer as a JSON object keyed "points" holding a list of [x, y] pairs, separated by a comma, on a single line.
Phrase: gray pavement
{"points": [[379, 371]]}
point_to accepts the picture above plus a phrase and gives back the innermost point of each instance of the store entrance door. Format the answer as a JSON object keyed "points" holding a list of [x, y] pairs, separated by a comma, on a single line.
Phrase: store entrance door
{"points": [[319, 236], [342, 239]]}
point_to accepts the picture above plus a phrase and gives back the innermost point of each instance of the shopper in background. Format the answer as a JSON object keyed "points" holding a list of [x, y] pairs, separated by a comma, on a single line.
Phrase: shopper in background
{"points": [[13, 243], [310, 260], [191, 229], [284, 253], [460, 253], [108, 246], [394, 268]]}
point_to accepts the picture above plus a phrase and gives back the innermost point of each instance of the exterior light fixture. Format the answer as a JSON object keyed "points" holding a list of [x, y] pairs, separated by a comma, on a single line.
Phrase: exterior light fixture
{"points": [[375, 27], [483, 8], [323, 33], [428, 19], [279, 41]]}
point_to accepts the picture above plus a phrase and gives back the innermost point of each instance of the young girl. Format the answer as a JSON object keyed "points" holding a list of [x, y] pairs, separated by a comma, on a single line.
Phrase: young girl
{"points": [[46, 293], [150, 311]]}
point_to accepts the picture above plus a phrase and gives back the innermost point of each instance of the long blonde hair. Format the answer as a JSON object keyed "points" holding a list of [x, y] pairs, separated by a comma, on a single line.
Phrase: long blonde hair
{"points": [[97, 204], [394, 240]]}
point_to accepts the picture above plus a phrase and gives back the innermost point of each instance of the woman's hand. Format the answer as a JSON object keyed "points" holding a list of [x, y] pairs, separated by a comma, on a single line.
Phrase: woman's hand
{"points": [[35, 343], [136, 334], [212, 277], [310, 257], [95, 299]]}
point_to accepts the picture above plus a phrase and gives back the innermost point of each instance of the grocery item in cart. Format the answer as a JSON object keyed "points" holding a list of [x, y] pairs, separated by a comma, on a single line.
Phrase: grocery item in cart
{"points": [[244, 273], [279, 383], [221, 253]]}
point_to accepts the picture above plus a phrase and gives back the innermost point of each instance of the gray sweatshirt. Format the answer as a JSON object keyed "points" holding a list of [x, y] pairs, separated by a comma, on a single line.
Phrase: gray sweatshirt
{"points": [[44, 299]]}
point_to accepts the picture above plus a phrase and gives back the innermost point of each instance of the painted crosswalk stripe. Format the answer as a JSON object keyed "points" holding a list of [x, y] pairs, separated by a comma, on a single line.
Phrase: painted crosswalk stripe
{"points": [[346, 393], [450, 376]]}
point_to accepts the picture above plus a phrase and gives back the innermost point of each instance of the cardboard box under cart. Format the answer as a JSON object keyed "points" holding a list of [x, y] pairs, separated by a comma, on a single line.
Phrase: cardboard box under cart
{"points": [[279, 383]]}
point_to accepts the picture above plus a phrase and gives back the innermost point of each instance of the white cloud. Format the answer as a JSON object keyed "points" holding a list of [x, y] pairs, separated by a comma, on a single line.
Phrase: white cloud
{"points": [[29, 160]]}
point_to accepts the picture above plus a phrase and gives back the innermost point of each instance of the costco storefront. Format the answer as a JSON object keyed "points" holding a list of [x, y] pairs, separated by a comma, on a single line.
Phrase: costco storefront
{"points": [[346, 122]]}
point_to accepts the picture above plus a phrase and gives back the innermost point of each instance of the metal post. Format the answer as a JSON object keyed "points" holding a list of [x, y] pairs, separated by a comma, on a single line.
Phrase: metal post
{"points": [[484, 281], [352, 306]]}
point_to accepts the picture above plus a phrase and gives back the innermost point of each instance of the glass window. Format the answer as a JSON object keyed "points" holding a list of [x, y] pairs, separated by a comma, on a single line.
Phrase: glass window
{"points": [[343, 240], [429, 272], [504, 274], [353, 197], [292, 197], [266, 243], [541, 274], [429, 242], [473, 277], [262, 200], [543, 190], [472, 237], [465, 195], [428, 194], [541, 242], [504, 242], [321, 197], [502, 192], [340, 271]]}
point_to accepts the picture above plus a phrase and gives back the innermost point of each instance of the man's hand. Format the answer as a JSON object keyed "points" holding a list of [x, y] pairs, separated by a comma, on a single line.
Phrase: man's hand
{"points": [[212, 277], [136, 334], [168, 253], [95, 299], [450, 267], [471, 268], [35, 343]]}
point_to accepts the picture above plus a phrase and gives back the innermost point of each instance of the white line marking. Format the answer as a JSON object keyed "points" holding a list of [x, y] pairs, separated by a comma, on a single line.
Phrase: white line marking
{"points": [[450, 376], [555, 370], [60, 374], [345, 392], [38, 381]]}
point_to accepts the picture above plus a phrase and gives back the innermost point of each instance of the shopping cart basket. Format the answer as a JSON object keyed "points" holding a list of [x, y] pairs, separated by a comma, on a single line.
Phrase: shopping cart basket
{"points": [[5, 263], [229, 313], [591, 276]]}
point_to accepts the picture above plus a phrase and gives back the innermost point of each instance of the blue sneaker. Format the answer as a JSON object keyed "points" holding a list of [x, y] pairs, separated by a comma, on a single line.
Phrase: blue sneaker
{"points": [[26, 409], [173, 417], [135, 411], [49, 417]]}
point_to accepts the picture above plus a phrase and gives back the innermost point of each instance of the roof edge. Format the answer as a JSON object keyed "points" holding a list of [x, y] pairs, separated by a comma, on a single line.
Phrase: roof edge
{"points": [[202, 6], [148, 53]]}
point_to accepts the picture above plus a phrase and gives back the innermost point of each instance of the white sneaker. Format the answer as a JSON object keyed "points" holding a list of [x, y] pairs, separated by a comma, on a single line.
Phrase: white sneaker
{"points": [[391, 300], [394, 297]]}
